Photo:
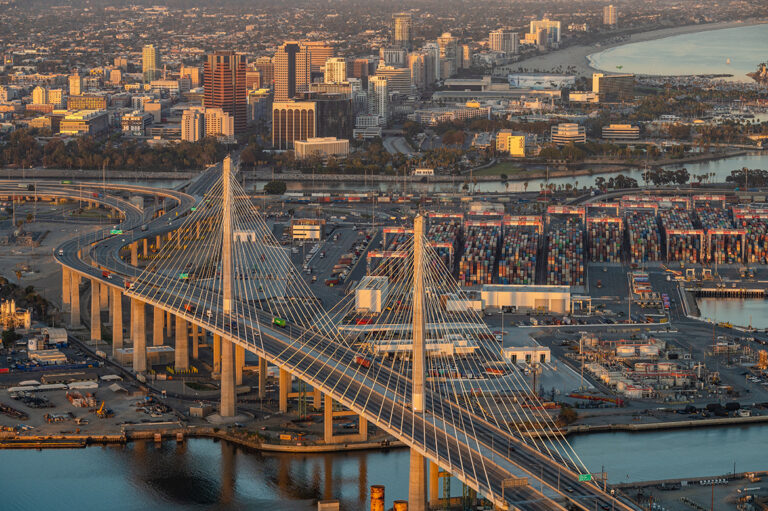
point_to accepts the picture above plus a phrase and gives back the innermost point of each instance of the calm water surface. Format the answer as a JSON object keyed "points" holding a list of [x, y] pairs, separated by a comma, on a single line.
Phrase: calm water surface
{"points": [[740, 312], [691, 54]]}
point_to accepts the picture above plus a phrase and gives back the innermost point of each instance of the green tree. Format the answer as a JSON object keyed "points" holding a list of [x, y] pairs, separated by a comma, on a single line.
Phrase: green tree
{"points": [[275, 187]]}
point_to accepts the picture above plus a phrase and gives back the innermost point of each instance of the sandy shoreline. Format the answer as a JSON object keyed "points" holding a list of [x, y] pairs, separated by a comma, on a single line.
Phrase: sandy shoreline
{"points": [[577, 55]]}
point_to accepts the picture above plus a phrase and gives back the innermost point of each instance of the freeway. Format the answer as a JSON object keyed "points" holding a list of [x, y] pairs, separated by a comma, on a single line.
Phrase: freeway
{"points": [[471, 448]]}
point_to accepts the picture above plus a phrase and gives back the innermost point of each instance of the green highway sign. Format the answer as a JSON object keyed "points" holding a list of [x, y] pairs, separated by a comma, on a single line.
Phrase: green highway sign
{"points": [[583, 478], [193, 208], [115, 231], [184, 275]]}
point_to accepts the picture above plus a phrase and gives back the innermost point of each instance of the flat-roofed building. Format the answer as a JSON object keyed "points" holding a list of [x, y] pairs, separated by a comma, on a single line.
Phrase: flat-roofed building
{"points": [[613, 88], [555, 299], [192, 124], [568, 133], [398, 79], [325, 146], [84, 122], [504, 40], [304, 229], [136, 123], [88, 102], [507, 141], [621, 132]]}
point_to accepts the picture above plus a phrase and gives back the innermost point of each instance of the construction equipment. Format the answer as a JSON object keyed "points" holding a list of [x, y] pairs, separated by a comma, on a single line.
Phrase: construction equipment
{"points": [[104, 413]]}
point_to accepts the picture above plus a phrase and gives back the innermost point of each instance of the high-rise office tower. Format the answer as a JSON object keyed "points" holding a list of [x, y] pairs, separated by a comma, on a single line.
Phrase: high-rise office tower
{"points": [[503, 40], [319, 53], [267, 69], [224, 76], [39, 96], [292, 70], [378, 96], [433, 62], [450, 58], [398, 79], [394, 56], [610, 16], [550, 30], [417, 63], [465, 52], [336, 70], [193, 124], [253, 79], [402, 24], [150, 63], [360, 70], [75, 84], [191, 72]]}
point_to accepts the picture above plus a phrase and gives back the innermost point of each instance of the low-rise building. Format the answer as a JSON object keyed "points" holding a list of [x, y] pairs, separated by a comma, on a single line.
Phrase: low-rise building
{"points": [[136, 123], [507, 141], [85, 122], [304, 229], [322, 146], [621, 132], [568, 133]]}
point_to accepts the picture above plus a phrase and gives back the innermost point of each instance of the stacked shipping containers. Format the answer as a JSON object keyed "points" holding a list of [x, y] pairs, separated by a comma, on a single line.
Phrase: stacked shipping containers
{"points": [[680, 247], [605, 237], [757, 239], [480, 248], [724, 248], [517, 263], [444, 237], [565, 254], [644, 238]]}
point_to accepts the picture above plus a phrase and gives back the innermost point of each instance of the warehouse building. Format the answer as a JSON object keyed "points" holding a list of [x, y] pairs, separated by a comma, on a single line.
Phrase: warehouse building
{"points": [[371, 294], [554, 299]]}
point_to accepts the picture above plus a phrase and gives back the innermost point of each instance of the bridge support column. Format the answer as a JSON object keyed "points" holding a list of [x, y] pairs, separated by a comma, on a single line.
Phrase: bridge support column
{"points": [[262, 377], [158, 315], [135, 253], [157, 242], [317, 398], [216, 354], [434, 484], [66, 293], [197, 230], [328, 420], [417, 484], [139, 334], [145, 247], [227, 378], [103, 297], [362, 428], [74, 287], [285, 387], [418, 317], [168, 324], [182, 344], [117, 320], [195, 341], [239, 364], [95, 311]]}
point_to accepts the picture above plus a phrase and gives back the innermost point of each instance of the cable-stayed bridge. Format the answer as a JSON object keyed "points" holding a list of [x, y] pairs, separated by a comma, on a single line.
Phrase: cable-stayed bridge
{"points": [[417, 370]]}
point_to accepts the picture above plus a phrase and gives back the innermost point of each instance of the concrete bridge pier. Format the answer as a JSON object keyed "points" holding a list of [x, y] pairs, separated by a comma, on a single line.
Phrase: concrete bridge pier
{"points": [[95, 311], [145, 247], [135, 253], [74, 286], [216, 354], [239, 364], [157, 242], [285, 384], [139, 334], [227, 379], [417, 483], [262, 377], [103, 297], [195, 341], [158, 315], [117, 320], [66, 292], [317, 399], [182, 344], [434, 484], [168, 324]]}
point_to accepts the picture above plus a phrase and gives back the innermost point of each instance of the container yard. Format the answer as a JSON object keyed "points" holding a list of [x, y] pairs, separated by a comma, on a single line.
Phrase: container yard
{"points": [[445, 235], [605, 235], [517, 262], [753, 221], [481, 247], [684, 242], [724, 243], [565, 254]]}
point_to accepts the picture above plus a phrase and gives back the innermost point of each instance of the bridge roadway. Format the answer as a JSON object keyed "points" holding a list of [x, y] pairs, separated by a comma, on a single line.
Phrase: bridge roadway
{"points": [[466, 453]]}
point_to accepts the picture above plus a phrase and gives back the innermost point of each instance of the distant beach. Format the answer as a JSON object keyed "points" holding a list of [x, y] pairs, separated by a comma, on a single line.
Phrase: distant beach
{"points": [[577, 55]]}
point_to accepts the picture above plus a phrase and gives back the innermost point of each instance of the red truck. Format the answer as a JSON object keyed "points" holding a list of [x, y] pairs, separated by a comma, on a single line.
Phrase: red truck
{"points": [[363, 361]]}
